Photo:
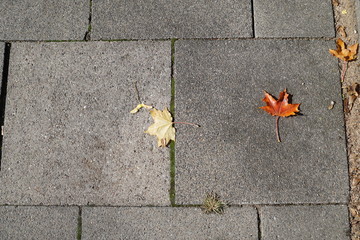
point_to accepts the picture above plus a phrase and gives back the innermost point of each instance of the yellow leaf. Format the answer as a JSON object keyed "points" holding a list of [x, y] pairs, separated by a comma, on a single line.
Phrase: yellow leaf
{"points": [[344, 12], [163, 127], [139, 106]]}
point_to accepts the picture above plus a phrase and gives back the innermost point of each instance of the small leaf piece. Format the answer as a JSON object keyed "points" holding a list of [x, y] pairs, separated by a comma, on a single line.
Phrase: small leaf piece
{"points": [[163, 127], [343, 53], [280, 107], [341, 31], [139, 106]]}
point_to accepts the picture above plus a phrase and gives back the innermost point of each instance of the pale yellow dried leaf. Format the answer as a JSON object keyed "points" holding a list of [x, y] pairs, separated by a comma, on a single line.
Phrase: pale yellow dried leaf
{"points": [[139, 106], [162, 128]]}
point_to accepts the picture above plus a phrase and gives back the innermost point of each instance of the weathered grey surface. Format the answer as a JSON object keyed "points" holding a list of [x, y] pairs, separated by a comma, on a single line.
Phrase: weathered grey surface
{"points": [[156, 19], [219, 85], [43, 19], [283, 18], [38, 222], [69, 137], [305, 222], [168, 223]]}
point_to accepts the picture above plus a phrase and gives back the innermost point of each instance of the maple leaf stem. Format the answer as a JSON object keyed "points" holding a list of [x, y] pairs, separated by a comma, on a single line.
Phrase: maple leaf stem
{"points": [[343, 70], [277, 128], [196, 125]]}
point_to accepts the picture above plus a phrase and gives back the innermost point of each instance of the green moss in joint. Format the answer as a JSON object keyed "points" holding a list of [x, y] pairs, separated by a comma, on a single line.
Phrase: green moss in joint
{"points": [[79, 226]]}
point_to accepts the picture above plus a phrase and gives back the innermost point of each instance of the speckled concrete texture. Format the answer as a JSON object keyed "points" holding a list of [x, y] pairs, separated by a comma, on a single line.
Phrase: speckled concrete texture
{"points": [[305, 222], [43, 19], [306, 18], [69, 135], [168, 223], [159, 19], [38, 222], [235, 152]]}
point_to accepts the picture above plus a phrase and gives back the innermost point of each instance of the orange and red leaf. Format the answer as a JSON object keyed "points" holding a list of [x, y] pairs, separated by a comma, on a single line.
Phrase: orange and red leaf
{"points": [[280, 107]]}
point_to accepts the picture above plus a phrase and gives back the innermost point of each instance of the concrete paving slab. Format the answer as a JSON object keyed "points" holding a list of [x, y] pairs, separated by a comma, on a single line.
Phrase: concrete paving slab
{"points": [[43, 19], [305, 222], [38, 222], [168, 223], [69, 135], [219, 85], [162, 19], [306, 18]]}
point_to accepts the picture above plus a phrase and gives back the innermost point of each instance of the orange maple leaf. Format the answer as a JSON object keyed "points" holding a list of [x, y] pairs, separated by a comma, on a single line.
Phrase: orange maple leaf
{"points": [[279, 108], [343, 53]]}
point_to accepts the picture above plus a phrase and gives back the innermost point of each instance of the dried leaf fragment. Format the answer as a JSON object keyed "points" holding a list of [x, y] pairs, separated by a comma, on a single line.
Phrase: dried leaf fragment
{"points": [[341, 31], [335, 2], [352, 93], [163, 127], [139, 106], [343, 53]]}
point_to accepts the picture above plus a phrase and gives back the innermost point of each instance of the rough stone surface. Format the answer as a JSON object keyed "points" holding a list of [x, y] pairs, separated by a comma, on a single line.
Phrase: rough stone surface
{"points": [[168, 223], [219, 85], [69, 135], [38, 222], [305, 222], [158, 19], [43, 19], [283, 18]]}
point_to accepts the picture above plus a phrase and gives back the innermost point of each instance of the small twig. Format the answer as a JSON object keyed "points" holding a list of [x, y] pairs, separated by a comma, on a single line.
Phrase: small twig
{"points": [[343, 70], [137, 92], [277, 128]]}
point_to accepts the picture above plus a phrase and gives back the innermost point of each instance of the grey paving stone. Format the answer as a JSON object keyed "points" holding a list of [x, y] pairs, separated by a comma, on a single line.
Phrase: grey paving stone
{"points": [[219, 85], [43, 19], [158, 19], [69, 135], [305, 222], [168, 223], [305, 18], [38, 222]]}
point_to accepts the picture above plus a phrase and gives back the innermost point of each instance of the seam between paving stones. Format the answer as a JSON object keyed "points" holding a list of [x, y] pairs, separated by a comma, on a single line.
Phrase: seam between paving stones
{"points": [[258, 222], [186, 205], [172, 144], [252, 18], [79, 225], [4, 81], [169, 39], [87, 36]]}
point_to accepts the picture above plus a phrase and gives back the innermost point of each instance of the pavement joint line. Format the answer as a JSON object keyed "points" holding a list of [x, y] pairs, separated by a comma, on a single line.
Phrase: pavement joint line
{"points": [[258, 222], [252, 19], [79, 225], [184, 205], [4, 81], [87, 36], [184, 39], [172, 144]]}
